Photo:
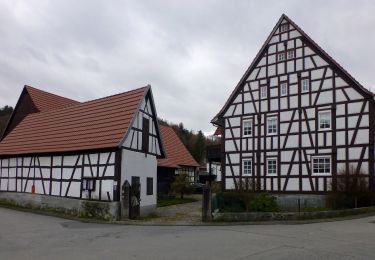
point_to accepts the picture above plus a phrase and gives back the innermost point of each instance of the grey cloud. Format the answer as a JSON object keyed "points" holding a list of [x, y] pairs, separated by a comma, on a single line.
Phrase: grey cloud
{"points": [[193, 53]]}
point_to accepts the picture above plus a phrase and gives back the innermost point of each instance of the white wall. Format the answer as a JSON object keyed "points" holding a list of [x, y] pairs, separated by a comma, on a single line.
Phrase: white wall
{"points": [[21, 173], [327, 91], [137, 164]]}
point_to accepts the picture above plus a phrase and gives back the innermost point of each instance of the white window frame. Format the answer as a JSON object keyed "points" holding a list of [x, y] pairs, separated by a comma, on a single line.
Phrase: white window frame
{"points": [[251, 167], [291, 54], [321, 157], [281, 56], [263, 92], [277, 122], [88, 184], [268, 169], [303, 90], [283, 84], [284, 28], [330, 120], [248, 120]]}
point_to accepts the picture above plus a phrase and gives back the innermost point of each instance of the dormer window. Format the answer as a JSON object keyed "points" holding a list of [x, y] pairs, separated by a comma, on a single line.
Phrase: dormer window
{"points": [[284, 27]]}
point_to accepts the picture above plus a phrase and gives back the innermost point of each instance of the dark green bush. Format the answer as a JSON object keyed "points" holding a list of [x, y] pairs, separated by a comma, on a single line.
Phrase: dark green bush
{"points": [[244, 202], [229, 202], [263, 202]]}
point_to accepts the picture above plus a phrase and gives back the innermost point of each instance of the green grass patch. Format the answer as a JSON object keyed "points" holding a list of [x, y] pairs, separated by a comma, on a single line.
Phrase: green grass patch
{"points": [[163, 202]]}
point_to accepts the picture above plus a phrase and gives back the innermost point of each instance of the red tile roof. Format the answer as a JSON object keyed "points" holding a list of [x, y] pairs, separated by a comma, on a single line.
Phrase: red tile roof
{"points": [[176, 154], [45, 101], [95, 124]]}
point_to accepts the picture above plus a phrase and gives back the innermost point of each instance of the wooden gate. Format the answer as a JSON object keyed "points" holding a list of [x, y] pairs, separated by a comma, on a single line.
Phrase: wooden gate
{"points": [[130, 199], [135, 198]]}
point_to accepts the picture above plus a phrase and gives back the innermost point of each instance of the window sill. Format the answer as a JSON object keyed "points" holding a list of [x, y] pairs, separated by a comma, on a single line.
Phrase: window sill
{"points": [[324, 129], [321, 174]]}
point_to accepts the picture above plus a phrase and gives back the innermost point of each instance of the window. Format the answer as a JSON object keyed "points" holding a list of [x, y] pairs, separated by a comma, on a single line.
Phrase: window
{"points": [[324, 120], [263, 92], [284, 27], [88, 184], [150, 186], [247, 167], [321, 165], [272, 125], [247, 127], [145, 134], [283, 89], [291, 54], [271, 166], [305, 85], [281, 56]]}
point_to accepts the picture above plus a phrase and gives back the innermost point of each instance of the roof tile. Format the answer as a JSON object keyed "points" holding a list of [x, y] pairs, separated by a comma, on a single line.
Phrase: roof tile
{"points": [[176, 154], [75, 126]]}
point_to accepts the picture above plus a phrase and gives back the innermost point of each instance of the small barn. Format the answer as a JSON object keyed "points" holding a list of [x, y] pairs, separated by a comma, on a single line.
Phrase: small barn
{"points": [[177, 160], [59, 152]]}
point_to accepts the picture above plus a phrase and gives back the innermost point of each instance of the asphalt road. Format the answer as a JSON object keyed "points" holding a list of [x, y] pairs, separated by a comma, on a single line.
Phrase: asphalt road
{"points": [[31, 236]]}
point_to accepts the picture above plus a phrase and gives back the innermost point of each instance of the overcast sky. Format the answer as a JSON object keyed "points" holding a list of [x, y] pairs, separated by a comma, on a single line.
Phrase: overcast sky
{"points": [[193, 53]]}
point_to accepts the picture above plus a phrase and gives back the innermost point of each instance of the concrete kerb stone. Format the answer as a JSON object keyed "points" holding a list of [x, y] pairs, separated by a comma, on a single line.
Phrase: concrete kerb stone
{"points": [[289, 216]]}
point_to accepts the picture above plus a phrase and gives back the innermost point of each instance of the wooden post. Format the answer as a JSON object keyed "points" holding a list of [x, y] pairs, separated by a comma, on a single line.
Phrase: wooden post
{"points": [[206, 204]]}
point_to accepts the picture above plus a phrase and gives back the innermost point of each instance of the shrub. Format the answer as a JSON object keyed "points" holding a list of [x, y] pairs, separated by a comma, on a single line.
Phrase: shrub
{"points": [[245, 202], [230, 202], [181, 185], [263, 202], [352, 190]]}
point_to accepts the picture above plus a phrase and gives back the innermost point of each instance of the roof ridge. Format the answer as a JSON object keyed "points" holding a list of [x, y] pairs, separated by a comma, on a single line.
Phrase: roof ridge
{"points": [[49, 93], [88, 101], [117, 94]]}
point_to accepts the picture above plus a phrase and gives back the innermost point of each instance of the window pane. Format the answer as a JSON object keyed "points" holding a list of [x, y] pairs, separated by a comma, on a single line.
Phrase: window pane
{"points": [[305, 85], [324, 120], [247, 170], [283, 90], [247, 127], [272, 126], [263, 92], [271, 167], [322, 165], [150, 186], [281, 56], [290, 54]]}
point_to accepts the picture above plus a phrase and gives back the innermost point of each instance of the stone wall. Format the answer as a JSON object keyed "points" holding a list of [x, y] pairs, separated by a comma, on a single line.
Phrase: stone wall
{"points": [[296, 202], [288, 216], [75, 207]]}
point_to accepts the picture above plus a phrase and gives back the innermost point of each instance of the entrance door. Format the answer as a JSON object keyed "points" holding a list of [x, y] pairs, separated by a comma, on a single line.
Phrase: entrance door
{"points": [[135, 197]]}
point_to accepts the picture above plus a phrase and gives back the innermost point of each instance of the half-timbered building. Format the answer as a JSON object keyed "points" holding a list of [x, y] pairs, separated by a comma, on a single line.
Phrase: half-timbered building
{"points": [[177, 160], [297, 121], [58, 147]]}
